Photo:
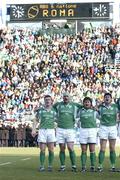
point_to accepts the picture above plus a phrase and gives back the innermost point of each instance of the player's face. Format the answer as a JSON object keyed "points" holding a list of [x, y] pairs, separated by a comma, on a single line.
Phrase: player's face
{"points": [[48, 101], [66, 99], [107, 99], [87, 104]]}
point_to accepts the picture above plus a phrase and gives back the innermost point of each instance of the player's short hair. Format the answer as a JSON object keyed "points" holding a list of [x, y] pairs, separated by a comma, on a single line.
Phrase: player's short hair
{"points": [[46, 96], [66, 94], [107, 94]]}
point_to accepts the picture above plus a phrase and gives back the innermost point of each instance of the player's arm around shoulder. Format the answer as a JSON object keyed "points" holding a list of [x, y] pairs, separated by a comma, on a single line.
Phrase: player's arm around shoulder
{"points": [[78, 105], [56, 105], [114, 105], [77, 108]]}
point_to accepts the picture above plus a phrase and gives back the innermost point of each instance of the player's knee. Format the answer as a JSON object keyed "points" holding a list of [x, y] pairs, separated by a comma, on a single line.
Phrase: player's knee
{"points": [[51, 149], [42, 150], [62, 149], [70, 149]]}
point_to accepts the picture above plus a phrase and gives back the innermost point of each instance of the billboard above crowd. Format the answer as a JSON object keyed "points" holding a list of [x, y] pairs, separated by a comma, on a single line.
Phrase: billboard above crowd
{"points": [[39, 12]]}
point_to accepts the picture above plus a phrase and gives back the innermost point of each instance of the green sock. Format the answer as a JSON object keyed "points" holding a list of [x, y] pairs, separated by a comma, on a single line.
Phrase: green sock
{"points": [[72, 157], [62, 158], [50, 158], [83, 158], [101, 157], [92, 158], [112, 158], [42, 158]]}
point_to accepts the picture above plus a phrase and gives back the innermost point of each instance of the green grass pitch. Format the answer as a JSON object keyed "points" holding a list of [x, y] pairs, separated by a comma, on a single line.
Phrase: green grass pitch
{"points": [[23, 163]]}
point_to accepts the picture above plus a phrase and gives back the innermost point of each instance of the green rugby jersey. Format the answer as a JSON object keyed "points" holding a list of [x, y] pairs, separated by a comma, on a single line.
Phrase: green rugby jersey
{"points": [[46, 118], [108, 114], [88, 118], [66, 114]]}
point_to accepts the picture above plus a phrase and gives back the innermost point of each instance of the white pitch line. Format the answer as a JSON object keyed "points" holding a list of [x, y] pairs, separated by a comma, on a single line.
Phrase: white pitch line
{"points": [[25, 159], [5, 163]]}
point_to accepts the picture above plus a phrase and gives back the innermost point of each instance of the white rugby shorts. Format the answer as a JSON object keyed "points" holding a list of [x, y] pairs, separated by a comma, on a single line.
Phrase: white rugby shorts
{"points": [[108, 132], [46, 135], [88, 136], [65, 135]]}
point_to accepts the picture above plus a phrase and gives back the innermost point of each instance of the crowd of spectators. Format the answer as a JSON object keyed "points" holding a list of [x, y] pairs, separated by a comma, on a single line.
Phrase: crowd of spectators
{"points": [[20, 136], [32, 65]]}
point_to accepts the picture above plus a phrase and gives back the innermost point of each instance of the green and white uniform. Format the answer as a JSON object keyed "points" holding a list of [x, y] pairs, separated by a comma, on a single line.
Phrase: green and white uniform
{"points": [[88, 126], [46, 119], [118, 126], [108, 116], [66, 119]]}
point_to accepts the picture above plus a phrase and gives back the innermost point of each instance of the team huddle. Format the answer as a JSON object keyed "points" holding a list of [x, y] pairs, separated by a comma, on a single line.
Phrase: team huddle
{"points": [[57, 122]]}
